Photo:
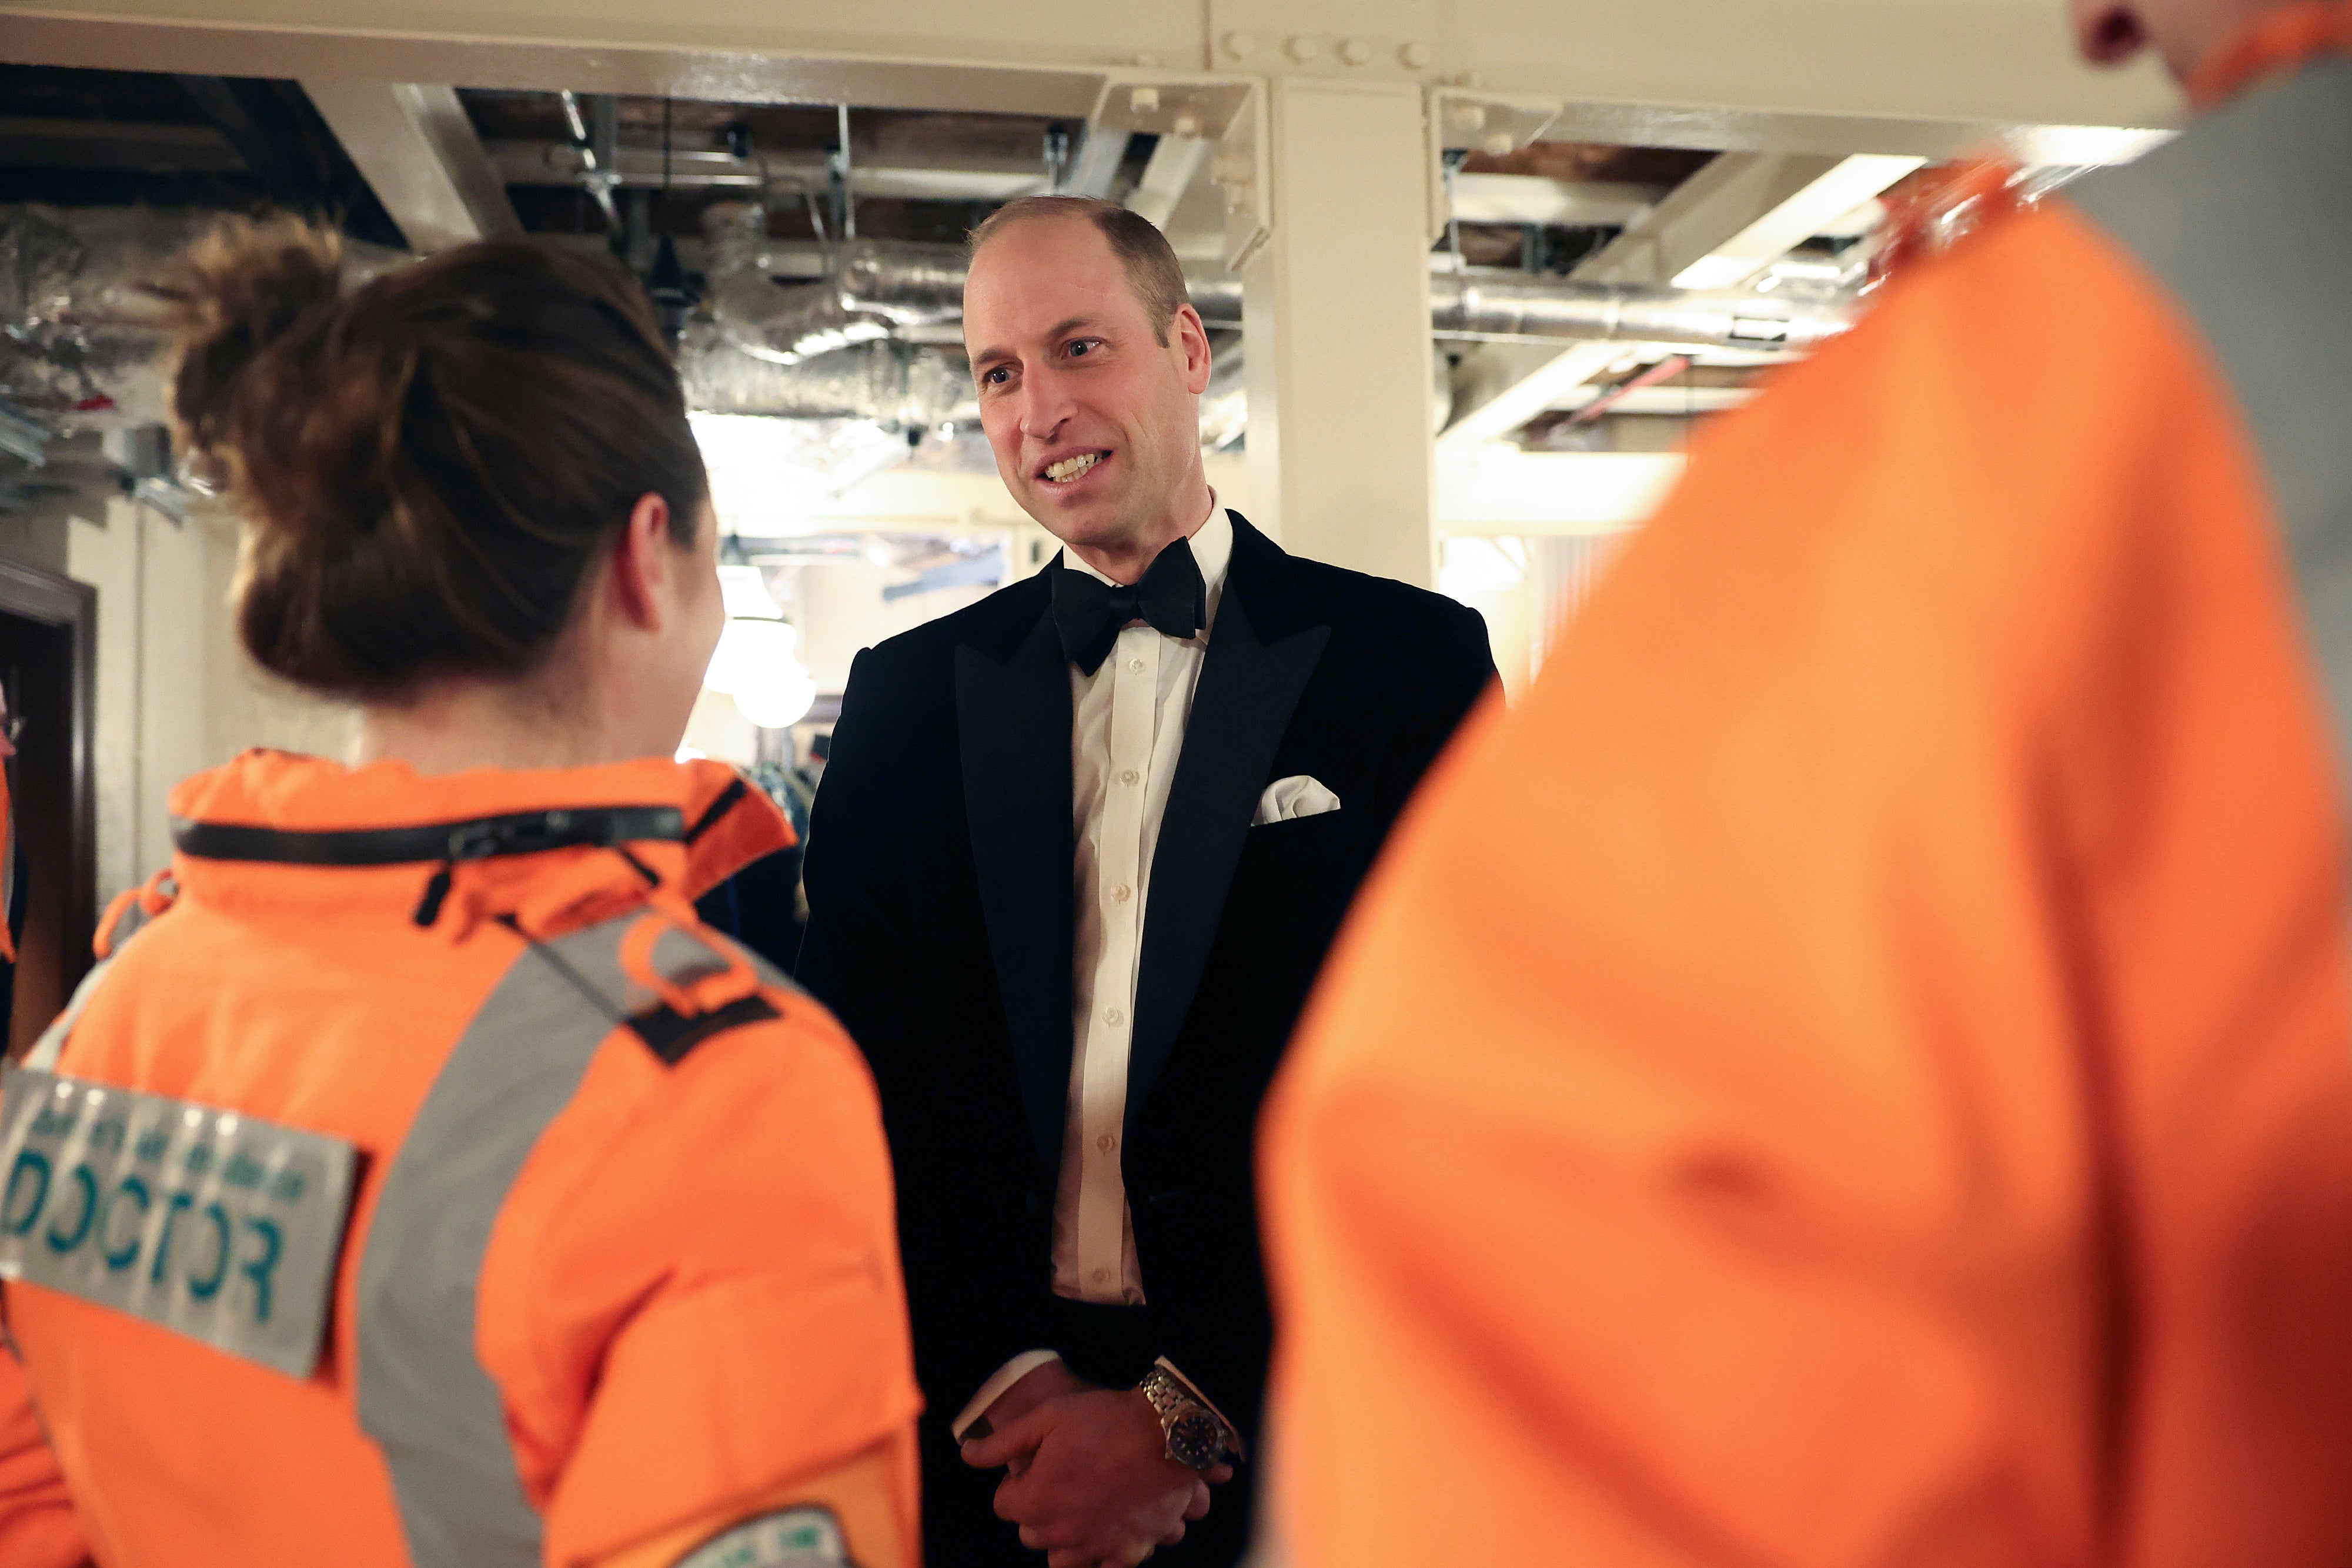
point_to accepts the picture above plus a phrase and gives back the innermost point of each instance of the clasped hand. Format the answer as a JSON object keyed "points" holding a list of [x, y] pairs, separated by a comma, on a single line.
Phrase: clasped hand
{"points": [[1087, 1476]]}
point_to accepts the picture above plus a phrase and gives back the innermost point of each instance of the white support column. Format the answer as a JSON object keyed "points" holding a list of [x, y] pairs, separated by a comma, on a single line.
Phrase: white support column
{"points": [[1336, 327]]}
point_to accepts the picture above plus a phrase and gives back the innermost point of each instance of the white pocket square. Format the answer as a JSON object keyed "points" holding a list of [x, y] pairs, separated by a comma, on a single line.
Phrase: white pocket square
{"points": [[1297, 796]]}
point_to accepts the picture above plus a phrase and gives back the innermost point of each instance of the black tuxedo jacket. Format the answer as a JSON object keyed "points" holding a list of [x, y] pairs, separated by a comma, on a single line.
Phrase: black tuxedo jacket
{"points": [[940, 876]]}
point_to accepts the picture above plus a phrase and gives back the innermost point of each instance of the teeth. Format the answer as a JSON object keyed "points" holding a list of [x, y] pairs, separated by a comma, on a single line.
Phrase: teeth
{"points": [[1069, 468]]}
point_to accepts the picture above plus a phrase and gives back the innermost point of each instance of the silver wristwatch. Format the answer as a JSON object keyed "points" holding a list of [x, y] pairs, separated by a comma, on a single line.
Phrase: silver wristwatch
{"points": [[1197, 1436]]}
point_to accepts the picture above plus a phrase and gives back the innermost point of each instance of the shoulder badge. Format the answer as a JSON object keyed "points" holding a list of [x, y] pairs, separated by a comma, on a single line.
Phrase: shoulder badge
{"points": [[805, 1537], [221, 1227]]}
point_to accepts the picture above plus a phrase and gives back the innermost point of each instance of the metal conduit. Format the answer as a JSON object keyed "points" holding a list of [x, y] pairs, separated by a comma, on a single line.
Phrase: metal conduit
{"points": [[1481, 306], [920, 285]]}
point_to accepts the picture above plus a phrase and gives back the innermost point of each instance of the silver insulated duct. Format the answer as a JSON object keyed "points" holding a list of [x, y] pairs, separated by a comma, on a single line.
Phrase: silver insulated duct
{"points": [[899, 386], [783, 324], [914, 285], [1508, 306]]}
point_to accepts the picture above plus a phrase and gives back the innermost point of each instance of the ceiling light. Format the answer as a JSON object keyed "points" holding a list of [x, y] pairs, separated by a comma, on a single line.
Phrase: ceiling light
{"points": [[781, 703], [755, 663], [1474, 567], [744, 590]]}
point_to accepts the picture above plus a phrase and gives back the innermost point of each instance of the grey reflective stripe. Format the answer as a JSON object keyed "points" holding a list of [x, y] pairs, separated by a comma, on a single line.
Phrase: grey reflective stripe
{"points": [[423, 1398], [2247, 219], [681, 957], [422, 1395]]}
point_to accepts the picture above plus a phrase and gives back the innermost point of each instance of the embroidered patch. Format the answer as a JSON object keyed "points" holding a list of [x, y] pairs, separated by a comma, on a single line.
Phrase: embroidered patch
{"points": [[221, 1227], [805, 1537]]}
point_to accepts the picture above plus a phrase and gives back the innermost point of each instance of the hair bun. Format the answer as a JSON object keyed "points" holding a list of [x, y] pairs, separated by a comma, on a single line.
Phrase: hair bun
{"points": [[238, 292], [428, 464]]}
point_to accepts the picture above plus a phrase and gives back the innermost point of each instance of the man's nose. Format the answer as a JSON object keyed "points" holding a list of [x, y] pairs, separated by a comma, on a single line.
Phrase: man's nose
{"points": [[1045, 405]]}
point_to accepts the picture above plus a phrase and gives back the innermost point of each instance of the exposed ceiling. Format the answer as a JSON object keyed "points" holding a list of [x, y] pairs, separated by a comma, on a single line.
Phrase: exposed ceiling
{"points": [[427, 166], [87, 138]]}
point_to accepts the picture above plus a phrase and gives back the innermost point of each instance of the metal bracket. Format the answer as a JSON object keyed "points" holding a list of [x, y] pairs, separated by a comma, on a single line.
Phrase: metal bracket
{"points": [[1462, 121], [1229, 110]]}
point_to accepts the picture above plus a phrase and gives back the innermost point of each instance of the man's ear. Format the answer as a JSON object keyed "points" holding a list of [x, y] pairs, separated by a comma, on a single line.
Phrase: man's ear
{"points": [[1192, 337], [641, 564]]}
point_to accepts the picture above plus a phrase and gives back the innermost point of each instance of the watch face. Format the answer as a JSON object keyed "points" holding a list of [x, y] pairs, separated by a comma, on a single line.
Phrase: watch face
{"points": [[1195, 1437]]}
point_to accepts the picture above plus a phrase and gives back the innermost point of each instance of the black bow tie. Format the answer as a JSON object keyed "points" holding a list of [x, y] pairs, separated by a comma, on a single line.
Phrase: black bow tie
{"points": [[1088, 612]]}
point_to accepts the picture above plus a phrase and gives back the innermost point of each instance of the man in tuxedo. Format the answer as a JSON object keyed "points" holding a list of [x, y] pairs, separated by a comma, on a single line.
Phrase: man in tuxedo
{"points": [[1079, 853]]}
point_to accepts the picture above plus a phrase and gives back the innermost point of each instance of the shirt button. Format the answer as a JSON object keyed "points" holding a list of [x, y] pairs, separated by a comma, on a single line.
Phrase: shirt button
{"points": [[1130, 777], [1102, 1275], [1112, 1015], [1107, 1143], [1135, 665], [1122, 892]]}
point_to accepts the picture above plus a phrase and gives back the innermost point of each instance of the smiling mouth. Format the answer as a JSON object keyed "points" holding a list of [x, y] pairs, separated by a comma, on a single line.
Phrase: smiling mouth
{"points": [[1070, 468]]}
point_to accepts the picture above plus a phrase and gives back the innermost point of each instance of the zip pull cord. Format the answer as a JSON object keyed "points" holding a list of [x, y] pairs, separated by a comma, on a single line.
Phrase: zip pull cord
{"points": [[437, 894], [523, 834]]}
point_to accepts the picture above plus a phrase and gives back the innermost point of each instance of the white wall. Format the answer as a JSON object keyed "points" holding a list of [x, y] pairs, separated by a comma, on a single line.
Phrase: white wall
{"points": [[245, 707], [174, 692], [103, 549]]}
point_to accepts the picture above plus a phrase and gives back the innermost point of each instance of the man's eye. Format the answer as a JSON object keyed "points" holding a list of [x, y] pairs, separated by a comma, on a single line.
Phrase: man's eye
{"points": [[1084, 345], [994, 376]]}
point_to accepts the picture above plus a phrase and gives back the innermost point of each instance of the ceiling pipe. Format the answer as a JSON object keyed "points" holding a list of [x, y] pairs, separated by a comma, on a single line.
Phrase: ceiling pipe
{"points": [[1665, 370], [1481, 305], [899, 386], [920, 285], [780, 323]]}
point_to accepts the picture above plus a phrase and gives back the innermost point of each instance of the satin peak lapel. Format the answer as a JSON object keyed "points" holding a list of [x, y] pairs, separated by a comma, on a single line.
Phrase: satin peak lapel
{"points": [[1012, 722], [1247, 692]]}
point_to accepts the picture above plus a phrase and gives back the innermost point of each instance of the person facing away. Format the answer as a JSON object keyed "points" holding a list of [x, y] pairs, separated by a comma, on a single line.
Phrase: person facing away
{"points": [[1077, 858], [417, 1185], [1857, 1069]]}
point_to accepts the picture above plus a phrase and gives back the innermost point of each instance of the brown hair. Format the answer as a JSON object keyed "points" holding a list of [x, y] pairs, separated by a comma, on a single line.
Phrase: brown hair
{"points": [[1153, 272], [428, 465]]}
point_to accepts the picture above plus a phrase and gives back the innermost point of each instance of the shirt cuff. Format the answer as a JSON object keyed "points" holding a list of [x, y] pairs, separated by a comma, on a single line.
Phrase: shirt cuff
{"points": [[1193, 1388], [1011, 1373]]}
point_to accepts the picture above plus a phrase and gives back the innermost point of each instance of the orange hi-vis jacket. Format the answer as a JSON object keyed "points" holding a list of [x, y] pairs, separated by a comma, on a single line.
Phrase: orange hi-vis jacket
{"points": [[616, 1275], [1857, 1068]]}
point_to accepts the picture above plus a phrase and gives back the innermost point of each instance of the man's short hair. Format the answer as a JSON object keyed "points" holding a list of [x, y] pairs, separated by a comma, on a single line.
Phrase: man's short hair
{"points": [[1153, 272]]}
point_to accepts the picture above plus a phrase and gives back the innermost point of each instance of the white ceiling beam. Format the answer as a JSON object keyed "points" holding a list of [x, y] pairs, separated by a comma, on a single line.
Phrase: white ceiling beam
{"points": [[1730, 193], [1739, 213], [1544, 376], [946, 178], [1828, 200], [1659, 400], [1919, 77], [1090, 173], [1563, 204], [1694, 209], [1175, 162], [419, 152]]}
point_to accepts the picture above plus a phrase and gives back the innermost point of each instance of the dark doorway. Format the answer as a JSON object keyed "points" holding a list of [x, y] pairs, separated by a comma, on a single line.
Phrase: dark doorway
{"points": [[49, 668]]}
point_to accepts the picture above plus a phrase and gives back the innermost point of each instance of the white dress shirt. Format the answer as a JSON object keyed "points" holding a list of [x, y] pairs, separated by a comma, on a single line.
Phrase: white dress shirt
{"points": [[1127, 730]]}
